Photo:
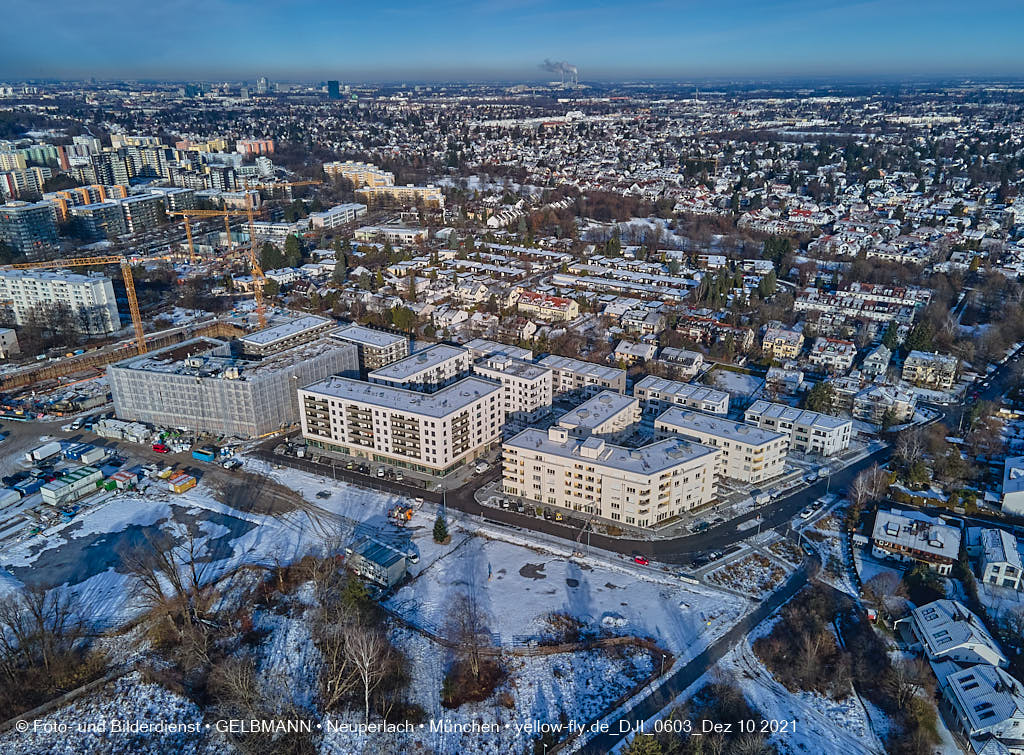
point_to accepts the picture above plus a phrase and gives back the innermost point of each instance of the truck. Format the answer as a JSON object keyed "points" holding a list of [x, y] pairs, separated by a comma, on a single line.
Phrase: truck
{"points": [[45, 451], [204, 454]]}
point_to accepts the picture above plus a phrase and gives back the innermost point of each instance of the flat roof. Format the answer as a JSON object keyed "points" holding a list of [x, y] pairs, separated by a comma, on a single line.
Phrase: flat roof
{"points": [[687, 419], [597, 410], [491, 348], [413, 364], [506, 365], [796, 416], [646, 460], [679, 388], [285, 330], [556, 362], [367, 336], [438, 404]]}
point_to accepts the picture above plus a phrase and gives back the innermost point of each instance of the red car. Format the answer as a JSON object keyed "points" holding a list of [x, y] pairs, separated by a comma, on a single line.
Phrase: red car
{"points": [[642, 560], [160, 448]]}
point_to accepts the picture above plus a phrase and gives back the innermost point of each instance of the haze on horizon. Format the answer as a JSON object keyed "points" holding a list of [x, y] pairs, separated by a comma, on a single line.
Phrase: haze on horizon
{"points": [[480, 40]]}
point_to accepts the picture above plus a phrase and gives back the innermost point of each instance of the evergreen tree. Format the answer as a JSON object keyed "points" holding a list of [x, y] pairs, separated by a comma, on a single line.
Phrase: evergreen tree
{"points": [[440, 528], [891, 338], [292, 251], [271, 257], [340, 269]]}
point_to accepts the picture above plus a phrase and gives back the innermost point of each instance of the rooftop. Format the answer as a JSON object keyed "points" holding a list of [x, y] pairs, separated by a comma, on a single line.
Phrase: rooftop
{"points": [[367, 336], [685, 419], [509, 366], [580, 367], [491, 348], [597, 410], [412, 365], [796, 416], [285, 330], [917, 532], [679, 388], [647, 460], [438, 404]]}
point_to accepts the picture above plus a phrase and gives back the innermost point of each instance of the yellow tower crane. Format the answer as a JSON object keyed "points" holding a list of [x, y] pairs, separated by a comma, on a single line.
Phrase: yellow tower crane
{"points": [[187, 215], [258, 279], [126, 273]]}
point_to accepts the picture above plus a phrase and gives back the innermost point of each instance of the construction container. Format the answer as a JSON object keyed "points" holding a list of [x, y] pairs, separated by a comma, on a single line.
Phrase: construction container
{"points": [[9, 496], [45, 451], [204, 454], [28, 487], [124, 480], [181, 482], [72, 486], [165, 473]]}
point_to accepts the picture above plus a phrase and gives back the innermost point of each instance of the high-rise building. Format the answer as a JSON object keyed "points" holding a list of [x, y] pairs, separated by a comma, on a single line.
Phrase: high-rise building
{"points": [[28, 228], [334, 90], [90, 297], [100, 220], [14, 183], [262, 85]]}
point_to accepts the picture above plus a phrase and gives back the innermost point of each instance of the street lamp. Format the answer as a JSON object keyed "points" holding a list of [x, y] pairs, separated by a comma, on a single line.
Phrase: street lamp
{"points": [[662, 664]]}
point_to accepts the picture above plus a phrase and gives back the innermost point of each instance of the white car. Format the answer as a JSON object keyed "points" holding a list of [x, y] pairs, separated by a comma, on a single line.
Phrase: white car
{"points": [[481, 468], [807, 513]]}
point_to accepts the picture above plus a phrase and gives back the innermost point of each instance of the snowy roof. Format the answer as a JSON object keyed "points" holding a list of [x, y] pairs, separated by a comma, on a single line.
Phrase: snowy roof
{"points": [[486, 348], [580, 367], [1013, 474], [285, 330], [1000, 547], [796, 416], [506, 365], [947, 626], [438, 404], [916, 532], [646, 460], [688, 391], [987, 695], [603, 407], [682, 420], [416, 363], [367, 336]]}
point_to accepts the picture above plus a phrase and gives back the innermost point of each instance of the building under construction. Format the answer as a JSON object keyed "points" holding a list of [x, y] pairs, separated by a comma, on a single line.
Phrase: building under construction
{"points": [[219, 387]]}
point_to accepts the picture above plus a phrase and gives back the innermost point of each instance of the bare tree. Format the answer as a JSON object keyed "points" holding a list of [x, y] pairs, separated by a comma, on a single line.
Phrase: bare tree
{"points": [[37, 625], [906, 679], [468, 628], [367, 651]]}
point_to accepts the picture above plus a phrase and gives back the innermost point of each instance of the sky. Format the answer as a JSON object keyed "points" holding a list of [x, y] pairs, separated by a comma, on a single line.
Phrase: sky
{"points": [[480, 40]]}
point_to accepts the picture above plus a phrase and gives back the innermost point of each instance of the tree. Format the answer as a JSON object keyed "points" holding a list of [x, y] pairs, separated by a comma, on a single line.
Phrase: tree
{"points": [[891, 338], [411, 292], [820, 398], [370, 655], [440, 529], [271, 287], [292, 251], [340, 269], [271, 257]]}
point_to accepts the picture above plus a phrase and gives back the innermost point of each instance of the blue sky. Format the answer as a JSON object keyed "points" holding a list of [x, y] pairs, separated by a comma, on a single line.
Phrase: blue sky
{"points": [[507, 39]]}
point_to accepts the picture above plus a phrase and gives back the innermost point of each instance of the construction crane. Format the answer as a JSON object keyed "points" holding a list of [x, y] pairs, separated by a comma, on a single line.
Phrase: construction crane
{"points": [[258, 279], [187, 215], [126, 273]]}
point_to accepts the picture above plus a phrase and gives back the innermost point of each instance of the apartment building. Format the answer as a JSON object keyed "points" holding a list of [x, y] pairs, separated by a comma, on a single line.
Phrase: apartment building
{"points": [[285, 335], [689, 363], [832, 354], [377, 348], [409, 195], [878, 402], [526, 389], [912, 537], [635, 486], [609, 415], [89, 297], [14, 183], [779, 343], [430, 433], [480, 348], [100, 220], [998, 557], [28, 228], [202, 385], [143, 212], [360, 174], [930, 370], [749, 454], [338, 215], [658, 394], [549, 308], [584, 379], [877, 361], [429, 369], [392, 234], [809, 432]]}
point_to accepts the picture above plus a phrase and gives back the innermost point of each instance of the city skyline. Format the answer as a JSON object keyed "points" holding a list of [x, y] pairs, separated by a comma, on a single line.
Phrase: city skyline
{"points": [[510, 40]]}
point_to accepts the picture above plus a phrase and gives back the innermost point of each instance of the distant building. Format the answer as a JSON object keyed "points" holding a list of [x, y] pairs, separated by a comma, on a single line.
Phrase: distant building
{"points": [[782, 344], [393, 234], [545, 307], [337, 216], [584, 379], [409, 196], [89, 298], [360, 174], [28, 228], [832, 354], [658, 394], [8, 343], [930, 370], [333, 90], [877, 361]]}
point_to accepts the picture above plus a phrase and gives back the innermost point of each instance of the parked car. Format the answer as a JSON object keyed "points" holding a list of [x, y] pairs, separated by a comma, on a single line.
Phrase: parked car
{"points": [[807, 513], [160, 448], [381, 472], [481, 467], [640, 559], [715, 555]]}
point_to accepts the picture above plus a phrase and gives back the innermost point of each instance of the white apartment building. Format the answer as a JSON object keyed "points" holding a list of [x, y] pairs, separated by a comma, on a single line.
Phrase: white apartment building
{"points": [[930, 370], [574, 376], [377, 348], [392, 234], [658, 394], [749, 454], [609, 415], [636, 486], [429, 369], [809, 432], [431, 433], [988, 707], [688, 362], [526, 389], [360, 174], [480, 348], [833, 354], [999, 560], [89, 297], [337, 216]]}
